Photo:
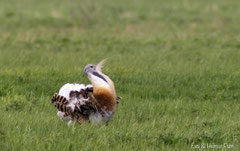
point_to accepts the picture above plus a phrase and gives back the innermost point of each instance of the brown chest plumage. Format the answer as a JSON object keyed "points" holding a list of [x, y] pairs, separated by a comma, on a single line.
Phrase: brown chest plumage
{"points": [[105, 99]]}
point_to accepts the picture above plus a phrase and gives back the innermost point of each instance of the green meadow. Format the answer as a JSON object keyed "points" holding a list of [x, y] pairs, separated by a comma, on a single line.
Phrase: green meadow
{"points": [[175, 63]]}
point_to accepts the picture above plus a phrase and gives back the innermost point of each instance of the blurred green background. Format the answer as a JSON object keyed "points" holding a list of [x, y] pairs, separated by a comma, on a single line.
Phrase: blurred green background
{"points": [[175, 63]]}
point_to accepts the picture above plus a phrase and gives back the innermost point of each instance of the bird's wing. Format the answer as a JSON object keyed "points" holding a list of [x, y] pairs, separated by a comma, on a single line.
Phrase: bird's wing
{"points": [[87, 105], [76, 101]]}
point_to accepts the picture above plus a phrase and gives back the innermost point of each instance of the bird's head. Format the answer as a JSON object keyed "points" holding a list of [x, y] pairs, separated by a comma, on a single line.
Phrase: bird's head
{"points": [[94, 73], [89, 69]]}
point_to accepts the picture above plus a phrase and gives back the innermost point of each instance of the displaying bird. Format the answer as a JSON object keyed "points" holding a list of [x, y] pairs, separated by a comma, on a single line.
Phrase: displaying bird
{"points": [[96, 102]]}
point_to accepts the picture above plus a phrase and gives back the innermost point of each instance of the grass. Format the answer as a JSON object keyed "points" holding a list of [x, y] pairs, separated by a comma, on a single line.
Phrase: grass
{"points": [[175, 63]]}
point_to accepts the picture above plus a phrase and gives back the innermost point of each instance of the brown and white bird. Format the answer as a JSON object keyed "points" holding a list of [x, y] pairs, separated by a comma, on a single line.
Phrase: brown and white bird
{"points": [[96, 103]]}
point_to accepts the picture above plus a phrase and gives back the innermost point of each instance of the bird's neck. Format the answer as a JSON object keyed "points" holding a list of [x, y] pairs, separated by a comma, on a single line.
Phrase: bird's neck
{"points": [[99, 82]]}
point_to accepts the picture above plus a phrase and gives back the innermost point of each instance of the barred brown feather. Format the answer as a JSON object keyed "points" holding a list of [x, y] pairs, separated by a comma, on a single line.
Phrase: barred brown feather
{"points": [[60, 102]]}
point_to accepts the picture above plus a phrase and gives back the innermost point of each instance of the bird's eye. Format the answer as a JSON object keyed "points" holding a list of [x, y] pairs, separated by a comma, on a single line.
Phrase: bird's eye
{"points": [[91, 66]]}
